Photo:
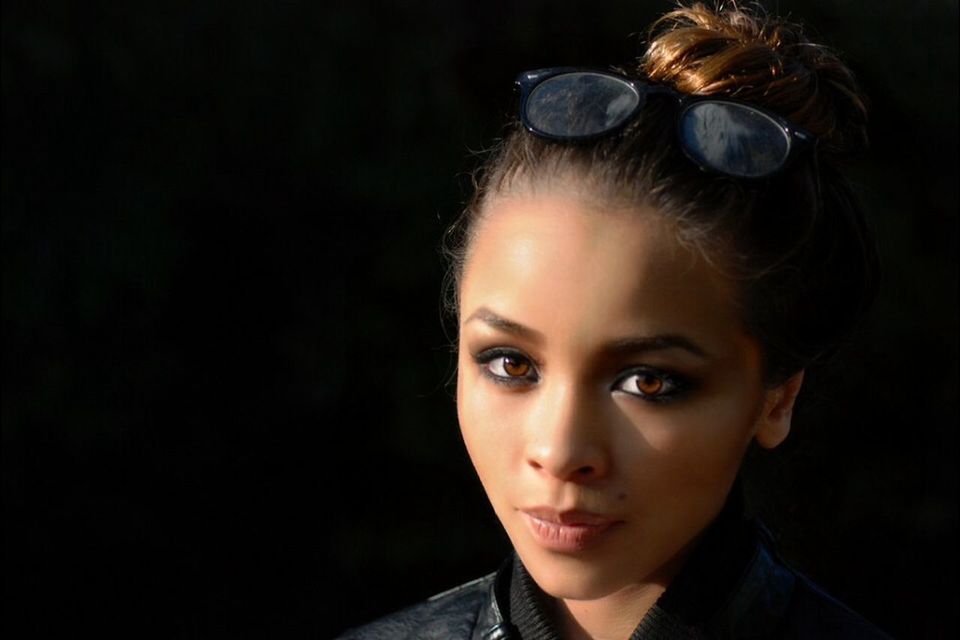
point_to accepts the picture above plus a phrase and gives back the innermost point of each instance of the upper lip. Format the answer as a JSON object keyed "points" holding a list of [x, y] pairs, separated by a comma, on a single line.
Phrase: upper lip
{"points": [[569, 516]]}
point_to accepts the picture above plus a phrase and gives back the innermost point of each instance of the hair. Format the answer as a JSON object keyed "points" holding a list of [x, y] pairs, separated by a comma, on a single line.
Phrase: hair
{"points": [[806, 272]]}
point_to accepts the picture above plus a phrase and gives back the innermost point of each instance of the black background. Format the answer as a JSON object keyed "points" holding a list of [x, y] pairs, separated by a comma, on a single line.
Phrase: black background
{"points": [[226, 403]]}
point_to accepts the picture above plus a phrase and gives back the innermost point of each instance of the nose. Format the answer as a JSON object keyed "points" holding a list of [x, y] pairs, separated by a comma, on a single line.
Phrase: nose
{"points": [[566, 437]]}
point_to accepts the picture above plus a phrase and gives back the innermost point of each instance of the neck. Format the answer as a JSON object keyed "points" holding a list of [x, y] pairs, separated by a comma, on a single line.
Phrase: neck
{"points": [[612, 617]]}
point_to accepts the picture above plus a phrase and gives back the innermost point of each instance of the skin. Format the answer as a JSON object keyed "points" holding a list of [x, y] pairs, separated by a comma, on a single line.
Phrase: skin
{"points": [[575, 431]]}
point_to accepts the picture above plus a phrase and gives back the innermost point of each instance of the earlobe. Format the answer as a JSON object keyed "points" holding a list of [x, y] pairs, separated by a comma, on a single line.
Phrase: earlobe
{"points": [[774, 423]]}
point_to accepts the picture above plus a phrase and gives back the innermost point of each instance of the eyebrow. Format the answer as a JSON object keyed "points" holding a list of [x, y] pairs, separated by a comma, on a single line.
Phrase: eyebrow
{"points": [[507, 326], [619, 346]]}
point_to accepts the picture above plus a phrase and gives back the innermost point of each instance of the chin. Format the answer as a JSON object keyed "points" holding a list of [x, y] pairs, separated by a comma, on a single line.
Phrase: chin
{"points": [[580, 577]]}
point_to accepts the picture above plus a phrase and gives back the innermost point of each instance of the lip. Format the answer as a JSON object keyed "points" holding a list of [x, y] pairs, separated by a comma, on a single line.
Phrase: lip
{"points": [[567, 531]]}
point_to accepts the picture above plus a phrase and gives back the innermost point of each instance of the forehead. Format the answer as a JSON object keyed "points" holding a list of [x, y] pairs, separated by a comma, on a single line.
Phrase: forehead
{"points": [[580, 272]]}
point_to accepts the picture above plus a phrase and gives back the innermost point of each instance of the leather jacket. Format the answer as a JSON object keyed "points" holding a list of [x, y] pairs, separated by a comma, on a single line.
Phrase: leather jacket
{"points": [[768, 600]]}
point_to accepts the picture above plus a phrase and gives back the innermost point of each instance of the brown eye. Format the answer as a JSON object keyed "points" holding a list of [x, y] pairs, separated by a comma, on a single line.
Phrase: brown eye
{"points": [[649, 385], [515, 367], [655, 385], [507, 367]]}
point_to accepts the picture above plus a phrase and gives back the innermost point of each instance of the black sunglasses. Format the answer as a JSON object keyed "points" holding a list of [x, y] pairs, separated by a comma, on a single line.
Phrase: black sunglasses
{"points": [[718, 134]]}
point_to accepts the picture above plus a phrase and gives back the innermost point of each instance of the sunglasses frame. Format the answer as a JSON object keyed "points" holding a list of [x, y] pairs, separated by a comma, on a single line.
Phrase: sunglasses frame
{"points": [[798, 139]]}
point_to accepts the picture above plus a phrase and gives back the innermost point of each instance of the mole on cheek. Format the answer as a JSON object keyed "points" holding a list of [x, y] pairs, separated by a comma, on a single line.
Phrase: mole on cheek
{"points": [[621, 496]]}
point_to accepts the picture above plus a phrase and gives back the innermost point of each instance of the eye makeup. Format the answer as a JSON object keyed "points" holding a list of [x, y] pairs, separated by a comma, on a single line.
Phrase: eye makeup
{"points": [[656, 385], [499, 353], [651, 384]]}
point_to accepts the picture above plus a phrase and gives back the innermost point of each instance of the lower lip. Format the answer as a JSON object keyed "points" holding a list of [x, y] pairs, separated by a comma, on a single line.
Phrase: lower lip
{"points": [[567, 538]]}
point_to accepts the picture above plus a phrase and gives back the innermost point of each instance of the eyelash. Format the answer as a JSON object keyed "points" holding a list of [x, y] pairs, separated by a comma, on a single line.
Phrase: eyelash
{"points": [[677, 385]]}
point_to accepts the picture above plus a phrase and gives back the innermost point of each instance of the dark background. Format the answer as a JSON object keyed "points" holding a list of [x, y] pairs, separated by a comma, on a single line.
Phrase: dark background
{"points": [[226, 409]]}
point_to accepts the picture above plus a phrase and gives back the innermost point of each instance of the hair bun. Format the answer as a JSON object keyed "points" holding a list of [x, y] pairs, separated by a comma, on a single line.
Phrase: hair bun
{"points": [[743, 52]]}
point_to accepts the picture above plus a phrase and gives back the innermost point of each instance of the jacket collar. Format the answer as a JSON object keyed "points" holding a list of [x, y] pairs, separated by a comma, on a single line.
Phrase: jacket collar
{"points": [[760, 599], [491, 624]]}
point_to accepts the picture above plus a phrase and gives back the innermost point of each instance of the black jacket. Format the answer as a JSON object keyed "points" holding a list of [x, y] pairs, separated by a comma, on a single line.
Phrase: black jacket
{"points": [[733, 586]]}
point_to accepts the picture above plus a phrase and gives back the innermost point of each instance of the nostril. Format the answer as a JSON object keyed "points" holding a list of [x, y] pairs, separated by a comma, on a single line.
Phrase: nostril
{"points": [[585, 470]]}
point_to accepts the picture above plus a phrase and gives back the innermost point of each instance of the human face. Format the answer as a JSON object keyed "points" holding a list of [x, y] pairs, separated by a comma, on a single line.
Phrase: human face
{"points": [[633, 450]]}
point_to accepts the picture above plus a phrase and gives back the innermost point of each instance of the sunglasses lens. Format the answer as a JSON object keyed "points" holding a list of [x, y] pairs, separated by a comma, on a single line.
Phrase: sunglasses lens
{"points": [[580, 104], [735, 139]]}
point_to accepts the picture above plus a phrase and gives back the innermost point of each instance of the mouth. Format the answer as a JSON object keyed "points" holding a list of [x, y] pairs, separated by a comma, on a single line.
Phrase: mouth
{"points": [[567, 531]]}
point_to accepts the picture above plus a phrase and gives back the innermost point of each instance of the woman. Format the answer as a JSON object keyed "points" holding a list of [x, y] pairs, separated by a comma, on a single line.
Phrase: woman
{"points": [[652, 258]]}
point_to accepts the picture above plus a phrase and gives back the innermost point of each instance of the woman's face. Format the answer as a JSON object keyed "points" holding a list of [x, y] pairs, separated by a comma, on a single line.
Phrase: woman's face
{"points": [[606, 390]]}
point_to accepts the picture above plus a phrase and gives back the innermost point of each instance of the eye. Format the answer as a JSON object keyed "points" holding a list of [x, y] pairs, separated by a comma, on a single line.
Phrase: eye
{"points": [[505, 366], [653, 385]]}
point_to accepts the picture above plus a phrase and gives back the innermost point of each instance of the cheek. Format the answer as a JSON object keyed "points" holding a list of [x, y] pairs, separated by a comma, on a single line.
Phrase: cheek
{"points": [[485, 426], [700, 446]]}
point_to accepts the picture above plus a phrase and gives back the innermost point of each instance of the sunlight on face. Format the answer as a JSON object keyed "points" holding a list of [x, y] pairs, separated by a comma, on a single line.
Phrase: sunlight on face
{"points": [[603, 375]]}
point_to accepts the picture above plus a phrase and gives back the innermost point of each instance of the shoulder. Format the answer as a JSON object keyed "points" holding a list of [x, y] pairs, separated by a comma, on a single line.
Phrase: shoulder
{"points": [[814, 613], [449, 615], [774, 600]]}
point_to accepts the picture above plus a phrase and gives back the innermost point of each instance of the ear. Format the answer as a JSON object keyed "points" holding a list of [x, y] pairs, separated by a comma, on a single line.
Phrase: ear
{"points": [[773, 425]]}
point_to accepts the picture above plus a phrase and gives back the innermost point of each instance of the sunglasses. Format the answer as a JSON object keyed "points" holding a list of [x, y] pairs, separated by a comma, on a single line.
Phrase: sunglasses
{"points": [[718, 134]]}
